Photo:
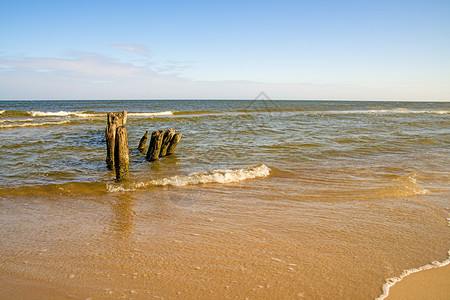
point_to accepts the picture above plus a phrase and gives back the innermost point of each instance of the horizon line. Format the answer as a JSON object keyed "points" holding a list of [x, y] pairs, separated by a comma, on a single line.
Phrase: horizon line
{"points": [[225, 99]]}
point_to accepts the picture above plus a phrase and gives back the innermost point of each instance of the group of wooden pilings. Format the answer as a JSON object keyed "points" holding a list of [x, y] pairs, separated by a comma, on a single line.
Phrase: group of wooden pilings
{"points": [[162, 143]]}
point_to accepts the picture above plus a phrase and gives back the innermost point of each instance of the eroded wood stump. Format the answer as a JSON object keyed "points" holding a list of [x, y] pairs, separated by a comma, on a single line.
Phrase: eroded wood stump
{"points": [[173, 143], [155, 145], [168, 135], [121, 155], [143, 142], [114, 120]]}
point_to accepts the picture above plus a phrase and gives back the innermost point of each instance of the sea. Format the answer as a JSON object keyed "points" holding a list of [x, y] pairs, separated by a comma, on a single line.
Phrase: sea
{"points": [[262, 199]]}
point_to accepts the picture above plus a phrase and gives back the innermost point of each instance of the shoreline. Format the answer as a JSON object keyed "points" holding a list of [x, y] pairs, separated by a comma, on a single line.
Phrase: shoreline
{"points": [[426, 282]]}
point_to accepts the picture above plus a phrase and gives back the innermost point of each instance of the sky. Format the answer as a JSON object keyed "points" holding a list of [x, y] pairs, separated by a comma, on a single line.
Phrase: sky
{"points": [[305, 50]]}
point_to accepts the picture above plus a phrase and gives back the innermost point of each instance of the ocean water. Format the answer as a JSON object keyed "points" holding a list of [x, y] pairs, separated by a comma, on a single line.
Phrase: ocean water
{"points": [[262, 199]]}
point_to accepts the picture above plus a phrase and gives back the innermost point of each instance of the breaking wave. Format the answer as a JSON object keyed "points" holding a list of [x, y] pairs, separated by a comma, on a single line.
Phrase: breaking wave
{"points": [[150, 114], [84, 114], [79, 114], [216, 176]]}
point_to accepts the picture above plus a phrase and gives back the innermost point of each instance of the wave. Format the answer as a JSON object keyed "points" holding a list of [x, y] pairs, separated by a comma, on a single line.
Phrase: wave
{"points": [[151, 114], [14, 113], [303, 112], [84, 114], [216, 176], [80, 114], [392, 281], [87, 114], [15, 121], [34, 124], [402, 186], [410, 187]]}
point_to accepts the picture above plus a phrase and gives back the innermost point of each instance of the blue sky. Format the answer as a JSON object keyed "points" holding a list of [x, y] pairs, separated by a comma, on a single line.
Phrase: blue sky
{"points": [[353, 50]]}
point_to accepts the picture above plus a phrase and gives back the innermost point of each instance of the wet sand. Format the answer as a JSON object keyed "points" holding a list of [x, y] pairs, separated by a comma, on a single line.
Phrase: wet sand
{"points": [[433, 284], [206, 242]]}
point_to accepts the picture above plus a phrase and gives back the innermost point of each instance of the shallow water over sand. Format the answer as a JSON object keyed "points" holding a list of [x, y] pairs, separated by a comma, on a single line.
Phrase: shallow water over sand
{"points": [[355, 193]]}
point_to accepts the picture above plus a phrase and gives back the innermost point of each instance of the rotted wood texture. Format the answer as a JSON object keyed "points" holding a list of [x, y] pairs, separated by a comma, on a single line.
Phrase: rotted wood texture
{"points": [[114, 120], [143, 142], [155, 145], [168, 135], [173, 143], [121, 155]]}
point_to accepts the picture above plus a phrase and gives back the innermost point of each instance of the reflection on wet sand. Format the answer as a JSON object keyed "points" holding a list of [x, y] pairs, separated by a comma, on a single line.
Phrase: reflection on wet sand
{"points": [[123, 215]]}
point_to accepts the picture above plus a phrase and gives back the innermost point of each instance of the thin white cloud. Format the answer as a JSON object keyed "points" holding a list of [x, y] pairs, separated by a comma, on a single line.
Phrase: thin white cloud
{"points": [[85, 64], [133, 48], [93, 76]]}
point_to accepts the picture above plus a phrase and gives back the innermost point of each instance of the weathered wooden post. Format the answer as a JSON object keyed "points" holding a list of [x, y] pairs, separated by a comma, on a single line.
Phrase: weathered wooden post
{"points": [[143, 142], [155, 145], [168, 135], [173, 143], [114, 120], [121, 155]]}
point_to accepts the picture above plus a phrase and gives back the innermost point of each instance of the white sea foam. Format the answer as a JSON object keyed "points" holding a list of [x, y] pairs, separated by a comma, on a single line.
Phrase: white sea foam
{"points": [[82, 114], [79, 114], [216, 176], [151, 114], [2, 111], [392, 281], [34, 124], [14, 121]]}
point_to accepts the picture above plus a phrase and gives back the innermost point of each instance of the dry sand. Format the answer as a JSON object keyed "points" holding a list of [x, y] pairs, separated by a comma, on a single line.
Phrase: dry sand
{"points": [[430, 284]]}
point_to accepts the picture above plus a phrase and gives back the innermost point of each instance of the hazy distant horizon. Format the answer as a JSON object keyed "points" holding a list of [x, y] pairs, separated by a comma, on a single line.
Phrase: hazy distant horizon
{"points": [[306, 100]]}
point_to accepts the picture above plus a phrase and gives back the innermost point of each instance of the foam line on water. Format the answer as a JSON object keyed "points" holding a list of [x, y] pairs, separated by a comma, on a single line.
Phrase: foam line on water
{"points": [[34, 124], [151, 114], [392, 281], [83, 114], [80, 114], [15, 121]]}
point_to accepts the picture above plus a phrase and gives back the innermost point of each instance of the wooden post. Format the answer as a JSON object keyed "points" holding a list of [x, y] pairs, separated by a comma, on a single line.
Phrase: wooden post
{"points": [[121, 156], [114, 120], [168, 135], [155, 145], [143, 142], [173, 143]]}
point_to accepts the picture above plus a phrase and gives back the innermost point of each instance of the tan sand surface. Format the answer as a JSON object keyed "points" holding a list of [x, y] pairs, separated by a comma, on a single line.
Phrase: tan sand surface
{"points": [[433, 284]]}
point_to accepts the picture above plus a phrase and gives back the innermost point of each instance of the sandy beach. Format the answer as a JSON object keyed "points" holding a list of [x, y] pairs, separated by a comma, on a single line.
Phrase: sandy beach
{"points": [[428, 284], [307, 200]]}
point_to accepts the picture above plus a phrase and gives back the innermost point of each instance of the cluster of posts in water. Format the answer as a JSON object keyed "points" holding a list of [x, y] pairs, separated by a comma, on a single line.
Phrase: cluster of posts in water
{"points": [[162, 143]]}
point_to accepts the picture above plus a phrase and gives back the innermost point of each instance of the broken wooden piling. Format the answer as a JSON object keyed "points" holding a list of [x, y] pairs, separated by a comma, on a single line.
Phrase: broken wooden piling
{"points": [[173, 143], [155, 145], [143, 142], [114, 120], [168, 135], [121, 155]]}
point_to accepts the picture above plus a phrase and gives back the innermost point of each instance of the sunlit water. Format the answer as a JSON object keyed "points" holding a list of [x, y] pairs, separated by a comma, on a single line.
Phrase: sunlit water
{"points": [[262, 199]]}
